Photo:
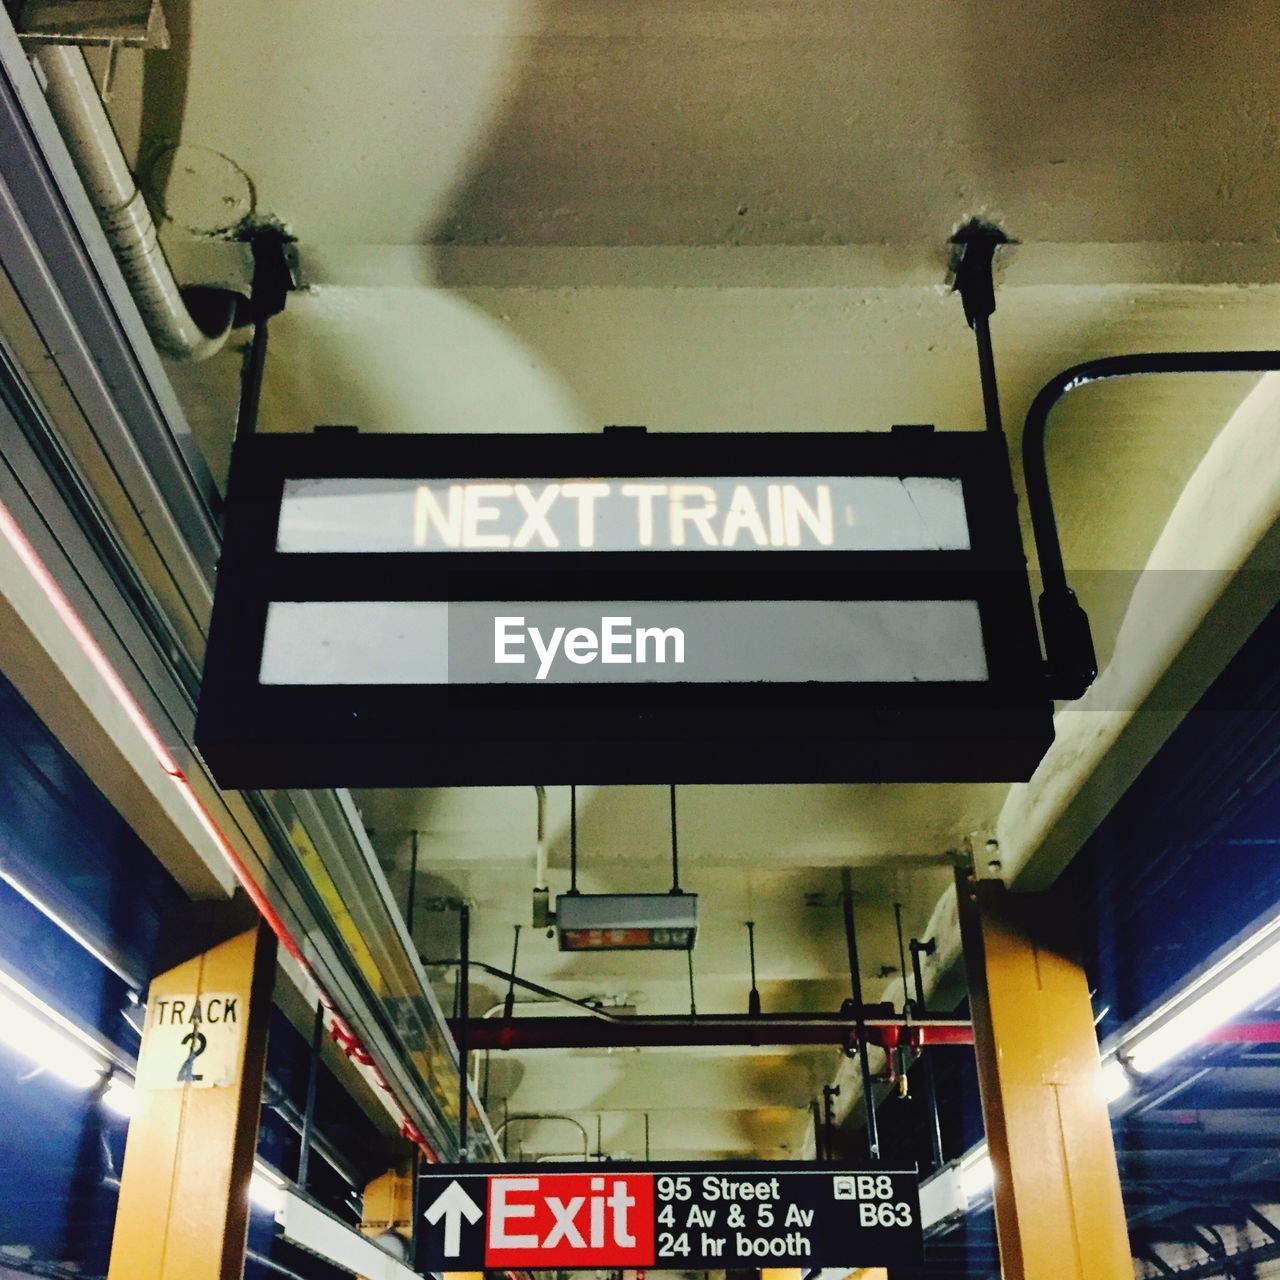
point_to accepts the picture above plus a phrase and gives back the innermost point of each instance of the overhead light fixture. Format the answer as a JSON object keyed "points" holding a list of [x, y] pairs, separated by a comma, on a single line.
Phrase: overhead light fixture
{"points": [[118, 1097], [266, 1188], [1115, 1081], [35, 1032], [1240, 980], [977, 1175], [627, 921]]}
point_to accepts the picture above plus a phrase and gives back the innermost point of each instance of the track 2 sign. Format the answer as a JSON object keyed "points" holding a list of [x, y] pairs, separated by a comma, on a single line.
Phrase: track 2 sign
{"points": [[622, 1216]]}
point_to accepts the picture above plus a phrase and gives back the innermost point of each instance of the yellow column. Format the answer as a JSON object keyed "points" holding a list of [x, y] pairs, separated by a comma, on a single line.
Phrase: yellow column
{"points": [[1059, 1215], [184, 1189]]}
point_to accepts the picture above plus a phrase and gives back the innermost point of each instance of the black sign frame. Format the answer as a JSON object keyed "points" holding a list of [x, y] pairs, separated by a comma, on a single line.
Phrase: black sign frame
{"points": [[254, 735]]}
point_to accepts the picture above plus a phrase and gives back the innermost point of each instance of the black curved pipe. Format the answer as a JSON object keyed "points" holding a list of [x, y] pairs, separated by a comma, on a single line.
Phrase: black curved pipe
{"points": [[1072, 662]]}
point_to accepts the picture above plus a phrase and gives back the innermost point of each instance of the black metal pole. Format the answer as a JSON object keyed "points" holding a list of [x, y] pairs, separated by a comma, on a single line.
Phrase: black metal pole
{"points": [[309, 1109], [753, 1000], [464, 1020], [975, 283], [1068, 642], [675, 845], [272, 281], [413, 884], [819, 1144], [573, 839], [855, 981], [926, 1058], [918, 949], [829, 1093]]}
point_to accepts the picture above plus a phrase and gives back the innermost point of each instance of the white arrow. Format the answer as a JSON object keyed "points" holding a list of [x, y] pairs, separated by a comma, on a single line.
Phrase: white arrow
{"points": [[453, 1204]]}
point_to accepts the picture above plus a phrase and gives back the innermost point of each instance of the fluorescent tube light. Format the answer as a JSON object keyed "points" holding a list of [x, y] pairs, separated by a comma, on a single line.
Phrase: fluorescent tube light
{"points": [[976, 1173], [266, 1188], [118, 1097], [1115, 1081], [32, 1032], [1240, 981]]}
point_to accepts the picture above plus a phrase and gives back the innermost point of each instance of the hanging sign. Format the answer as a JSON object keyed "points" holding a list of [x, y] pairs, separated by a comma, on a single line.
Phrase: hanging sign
{"points": [[611, 1216], [621, 608]]}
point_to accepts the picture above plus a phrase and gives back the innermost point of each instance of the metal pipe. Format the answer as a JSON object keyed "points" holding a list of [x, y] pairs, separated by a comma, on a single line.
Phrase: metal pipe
{"points": [[595, 1010], [753, 998], [926, 1061], [95, 150], [819, 1142], [675, 845], [411, 896], [462, 1026], [309, 1112], [676, 1030], [577, 1124], [573, 839], [855, 981], [919, 949], [1068, 643]]}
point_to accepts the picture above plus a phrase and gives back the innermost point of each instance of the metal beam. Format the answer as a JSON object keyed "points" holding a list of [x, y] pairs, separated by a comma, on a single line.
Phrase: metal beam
{"points": [[713, 1029]]}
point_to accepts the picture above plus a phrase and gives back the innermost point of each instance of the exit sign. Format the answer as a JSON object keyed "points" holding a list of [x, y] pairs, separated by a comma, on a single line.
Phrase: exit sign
{"points": [[671, 1217], [457, 610]]}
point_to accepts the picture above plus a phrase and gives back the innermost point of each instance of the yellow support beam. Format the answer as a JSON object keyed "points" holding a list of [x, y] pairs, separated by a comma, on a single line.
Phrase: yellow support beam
{"points": [[184, 1189], [1059, 1214]]}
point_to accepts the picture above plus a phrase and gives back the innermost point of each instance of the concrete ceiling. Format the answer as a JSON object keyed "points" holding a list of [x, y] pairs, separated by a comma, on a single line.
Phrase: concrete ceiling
{"points": [[586, 122], [518, 216]]}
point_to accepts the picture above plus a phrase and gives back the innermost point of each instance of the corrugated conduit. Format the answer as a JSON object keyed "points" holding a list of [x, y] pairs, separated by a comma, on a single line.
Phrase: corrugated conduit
{"points": [[95, 150]]}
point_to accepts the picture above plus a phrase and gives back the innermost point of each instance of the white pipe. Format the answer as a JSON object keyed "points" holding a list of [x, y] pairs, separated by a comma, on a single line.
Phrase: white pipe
{"points": [[95, 150]]}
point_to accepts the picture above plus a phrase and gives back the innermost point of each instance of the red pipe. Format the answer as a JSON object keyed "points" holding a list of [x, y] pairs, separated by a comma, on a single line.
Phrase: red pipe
{"points": [[728, 1029]]}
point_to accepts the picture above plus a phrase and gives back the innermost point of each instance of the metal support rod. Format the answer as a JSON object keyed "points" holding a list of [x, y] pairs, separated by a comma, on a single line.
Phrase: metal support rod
{"points": [[463, 1024], [272, 281], [855, 981], [753, 1000], [1068, 643], [508, 1005], [646, 1137], [573, 839], [975, 283], [413, 883], [309, 1110], [819, 1143], [829, 1093], [931, 1105], [693, 1002], [675, 845], [918, 949], [902, 962]]}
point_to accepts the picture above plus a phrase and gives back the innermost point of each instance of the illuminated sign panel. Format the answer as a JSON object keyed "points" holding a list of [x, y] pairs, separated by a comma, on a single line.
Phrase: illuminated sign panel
{"points": [[677, 1217], [743, 513], [461, 610]]}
